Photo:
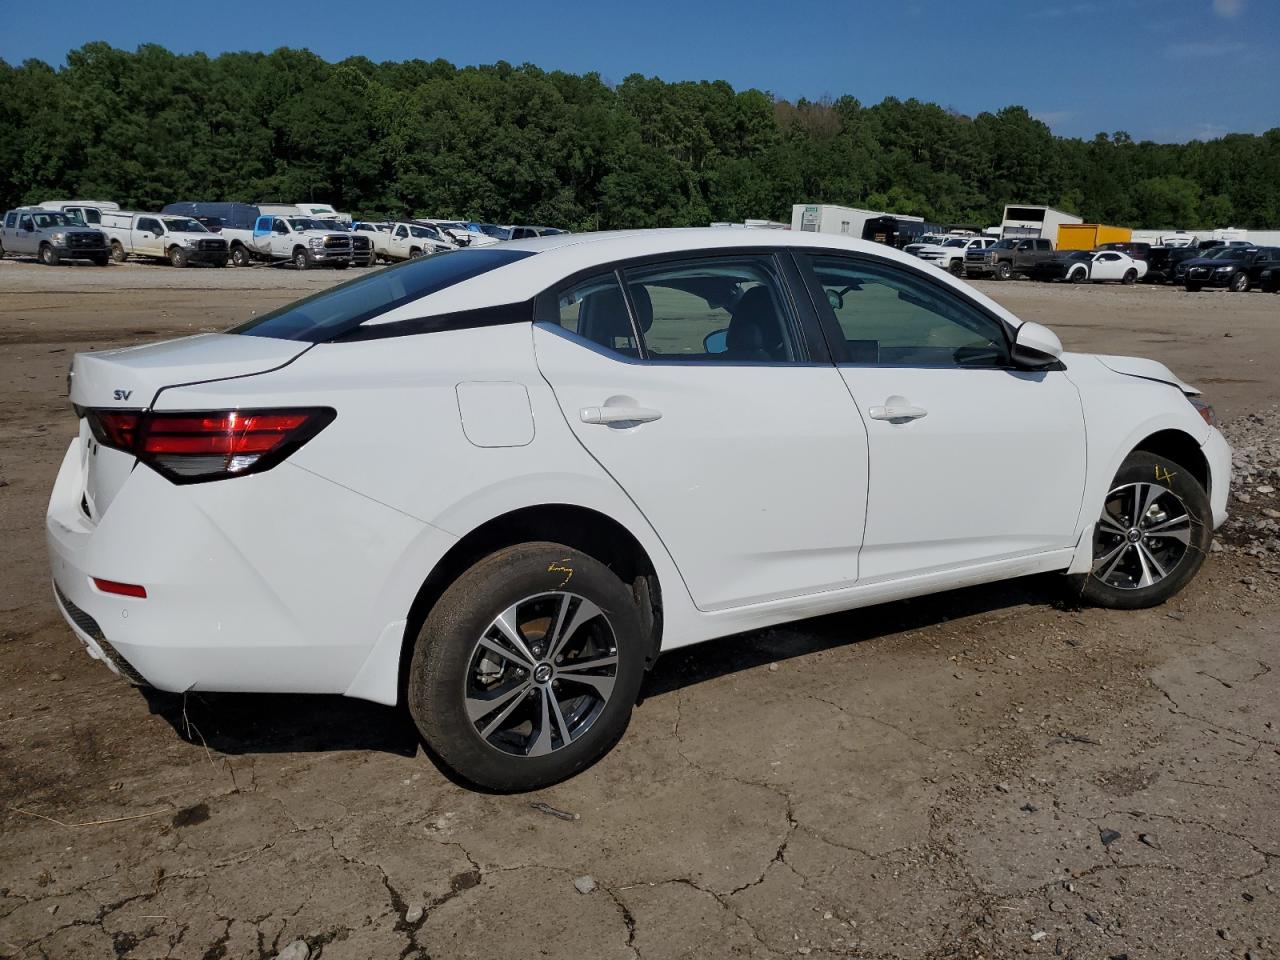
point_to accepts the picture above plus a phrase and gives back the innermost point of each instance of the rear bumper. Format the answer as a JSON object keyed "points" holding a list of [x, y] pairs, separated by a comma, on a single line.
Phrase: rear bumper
{"points": [[280, 582]]}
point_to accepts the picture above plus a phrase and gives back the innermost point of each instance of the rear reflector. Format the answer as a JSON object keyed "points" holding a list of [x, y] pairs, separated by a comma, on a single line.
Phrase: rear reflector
{"points": [[123, 589], [196, 446]]}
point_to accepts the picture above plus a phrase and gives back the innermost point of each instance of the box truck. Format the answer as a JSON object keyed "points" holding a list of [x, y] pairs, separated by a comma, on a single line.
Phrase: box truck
{"points": [[1090, 236]]}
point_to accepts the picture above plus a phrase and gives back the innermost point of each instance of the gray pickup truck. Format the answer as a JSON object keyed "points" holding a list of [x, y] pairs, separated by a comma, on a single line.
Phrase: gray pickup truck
{"points": [[1011, 257], [52, 236]]}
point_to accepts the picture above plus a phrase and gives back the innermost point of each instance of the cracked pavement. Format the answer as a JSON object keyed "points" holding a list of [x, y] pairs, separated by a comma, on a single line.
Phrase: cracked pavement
{"points": [[987, 773]]}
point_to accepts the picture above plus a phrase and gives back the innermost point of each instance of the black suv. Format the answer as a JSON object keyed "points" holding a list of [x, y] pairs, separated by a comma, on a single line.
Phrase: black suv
{"points": [[1167, 264], [1236, 268]]}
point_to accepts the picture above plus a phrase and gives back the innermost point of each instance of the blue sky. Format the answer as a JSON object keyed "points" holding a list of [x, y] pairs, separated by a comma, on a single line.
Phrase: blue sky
{"points": [[1168, 70]]}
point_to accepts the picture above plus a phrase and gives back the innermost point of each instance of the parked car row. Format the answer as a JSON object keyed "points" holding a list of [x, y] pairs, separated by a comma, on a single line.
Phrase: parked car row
{"points": [[196, 232]]}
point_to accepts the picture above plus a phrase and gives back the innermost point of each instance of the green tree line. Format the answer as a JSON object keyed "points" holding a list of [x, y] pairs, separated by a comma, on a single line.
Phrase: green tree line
{"points": [[519, 144]]}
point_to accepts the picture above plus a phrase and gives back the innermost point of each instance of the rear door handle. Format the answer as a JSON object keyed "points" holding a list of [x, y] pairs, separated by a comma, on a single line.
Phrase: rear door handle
{"points": [[897, 408], [618, 414]]}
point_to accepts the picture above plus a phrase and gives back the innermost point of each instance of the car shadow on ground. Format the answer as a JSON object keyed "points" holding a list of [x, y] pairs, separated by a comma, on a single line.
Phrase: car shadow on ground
{"points": [[240, 724]]}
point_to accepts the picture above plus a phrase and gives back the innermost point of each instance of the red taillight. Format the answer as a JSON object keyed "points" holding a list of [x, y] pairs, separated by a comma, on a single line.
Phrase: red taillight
{"points": [[194, 446], [116, 428], [123, 589]]}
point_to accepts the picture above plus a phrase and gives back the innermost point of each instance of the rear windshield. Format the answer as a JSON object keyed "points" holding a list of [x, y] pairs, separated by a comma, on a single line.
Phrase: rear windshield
{"points": [[338, 310]]}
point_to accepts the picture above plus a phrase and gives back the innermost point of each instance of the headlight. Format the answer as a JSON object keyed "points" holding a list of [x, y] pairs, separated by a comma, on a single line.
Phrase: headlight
{"points": [[58, 237], [1205, 409], [1226, 269], [317, 242]]}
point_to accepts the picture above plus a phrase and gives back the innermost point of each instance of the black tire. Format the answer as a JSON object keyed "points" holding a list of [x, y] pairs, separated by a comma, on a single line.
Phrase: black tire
{"points": [[1239, 283], [178, 257], [341, 265], [301, 258], [415, 253], [220, 262], [445, 664], [1004, 271], [1194, 287], [101, 259], [240, 256], [1078, 275], [957, 267], [1129, 277], [117, 252], [49, 256], [1143, 473]]}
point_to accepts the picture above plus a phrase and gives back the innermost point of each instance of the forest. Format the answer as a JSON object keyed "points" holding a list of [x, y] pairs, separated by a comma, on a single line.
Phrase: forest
{"points": [[517, 144]]}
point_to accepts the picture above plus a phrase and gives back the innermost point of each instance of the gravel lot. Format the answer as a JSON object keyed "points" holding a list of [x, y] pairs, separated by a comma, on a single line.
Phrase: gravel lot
{"points": [[988, 773]]}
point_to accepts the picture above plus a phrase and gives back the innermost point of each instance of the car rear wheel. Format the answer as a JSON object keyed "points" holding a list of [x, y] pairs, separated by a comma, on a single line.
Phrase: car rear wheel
{"points": [[1004, 271], [1129, 277], [117, 252], [49, 256], [527, 668], [1240, 283], [1151, 536]]}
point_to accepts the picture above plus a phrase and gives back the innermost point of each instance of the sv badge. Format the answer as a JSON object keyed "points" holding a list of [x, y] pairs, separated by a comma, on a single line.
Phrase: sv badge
{"points": [[123, 394]]}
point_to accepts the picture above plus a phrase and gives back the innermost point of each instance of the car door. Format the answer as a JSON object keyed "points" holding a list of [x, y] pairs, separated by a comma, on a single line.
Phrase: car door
{"points": [[399, 242], [971, 460], [25, 239], [1108, 266], [149, 237], [705, 391]]}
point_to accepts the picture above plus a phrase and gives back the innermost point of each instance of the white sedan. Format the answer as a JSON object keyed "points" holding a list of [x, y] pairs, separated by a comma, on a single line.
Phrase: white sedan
{"points": [[497, 484]]}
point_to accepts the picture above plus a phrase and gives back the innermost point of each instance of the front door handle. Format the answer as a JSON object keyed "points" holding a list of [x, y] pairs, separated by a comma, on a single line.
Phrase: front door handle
{"points": [[610, 414], [897, 410]]}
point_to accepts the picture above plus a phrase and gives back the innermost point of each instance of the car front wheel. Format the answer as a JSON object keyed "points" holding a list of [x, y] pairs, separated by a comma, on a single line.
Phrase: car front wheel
{"points": [[1151, 536], [527, 668], [1240, 283]]}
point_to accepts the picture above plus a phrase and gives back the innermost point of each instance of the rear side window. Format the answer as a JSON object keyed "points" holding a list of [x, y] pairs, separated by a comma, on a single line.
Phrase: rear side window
{"points": [[339, 310], [596, 310]]}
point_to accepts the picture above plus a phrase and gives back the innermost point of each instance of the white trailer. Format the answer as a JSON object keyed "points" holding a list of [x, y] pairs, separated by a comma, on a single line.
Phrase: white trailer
{"points": [[1035, 221], [829, 218]]}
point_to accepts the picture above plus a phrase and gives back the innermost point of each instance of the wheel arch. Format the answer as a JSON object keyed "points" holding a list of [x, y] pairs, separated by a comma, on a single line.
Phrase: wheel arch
{"points": [[582, 528], [1182, 448]]}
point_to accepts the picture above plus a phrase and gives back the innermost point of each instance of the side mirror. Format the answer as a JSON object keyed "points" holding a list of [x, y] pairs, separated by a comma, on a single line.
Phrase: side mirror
{"points": [[1036, 347], [716, 342]]}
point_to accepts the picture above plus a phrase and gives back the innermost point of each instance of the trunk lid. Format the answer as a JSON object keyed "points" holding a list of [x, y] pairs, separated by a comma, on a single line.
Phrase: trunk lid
{"points": [[130, 379]]}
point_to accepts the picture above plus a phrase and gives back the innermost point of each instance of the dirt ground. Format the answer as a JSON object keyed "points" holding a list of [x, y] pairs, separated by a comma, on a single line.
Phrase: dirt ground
{"points": [[986, 773]]}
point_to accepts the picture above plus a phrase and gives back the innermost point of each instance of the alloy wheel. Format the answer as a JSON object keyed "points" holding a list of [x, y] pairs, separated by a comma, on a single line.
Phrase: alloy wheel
{"points": [[541, 674], [1141, 537]]}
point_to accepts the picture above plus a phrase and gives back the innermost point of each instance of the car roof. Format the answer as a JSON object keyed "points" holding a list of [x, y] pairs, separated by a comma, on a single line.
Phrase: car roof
{"points": [[563, 255]]}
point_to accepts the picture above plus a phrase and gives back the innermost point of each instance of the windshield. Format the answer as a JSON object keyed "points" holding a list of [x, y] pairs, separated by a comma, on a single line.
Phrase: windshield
{"points": [[1080, 255], [54, 218], [331, 313], [304, 223], [495, 231], [184, 225], [422, 233], [333, 225], [1226, 253], [1006, 244], [955, 242]]}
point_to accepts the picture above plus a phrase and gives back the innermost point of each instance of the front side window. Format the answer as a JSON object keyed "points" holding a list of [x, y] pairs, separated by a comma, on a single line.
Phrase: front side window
{"points": [[890, 317], [731, 309], [92, 215], [27, 223], [402, 231], [150, 226]]}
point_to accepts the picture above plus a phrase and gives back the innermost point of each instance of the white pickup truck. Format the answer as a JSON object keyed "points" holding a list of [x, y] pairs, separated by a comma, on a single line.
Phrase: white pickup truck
{"points": [[296, 238], [405, 241], [180, 240], [949, 254]]}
